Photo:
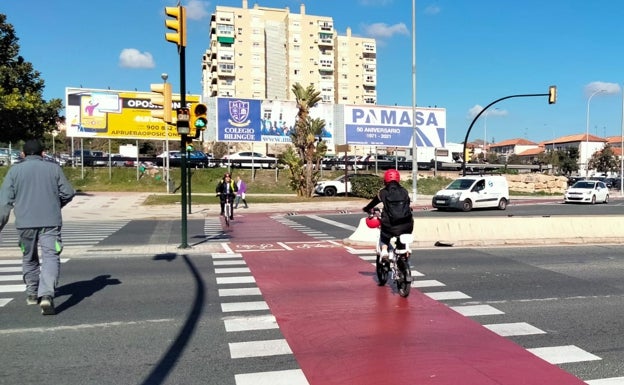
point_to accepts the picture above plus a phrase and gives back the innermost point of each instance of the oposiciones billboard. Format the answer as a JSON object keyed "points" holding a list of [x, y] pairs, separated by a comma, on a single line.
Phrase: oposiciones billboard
{"points": [[116, 114], [393, 127]]}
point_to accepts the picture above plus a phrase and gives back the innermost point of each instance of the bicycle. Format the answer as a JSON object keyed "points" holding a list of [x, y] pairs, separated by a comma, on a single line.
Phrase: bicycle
{"points": [[227, 209], [397, 264]]}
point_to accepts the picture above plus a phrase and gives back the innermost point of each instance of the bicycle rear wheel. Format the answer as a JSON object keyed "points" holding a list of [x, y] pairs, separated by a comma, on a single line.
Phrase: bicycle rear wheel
{"points": [[404, 280], [382, 271]]}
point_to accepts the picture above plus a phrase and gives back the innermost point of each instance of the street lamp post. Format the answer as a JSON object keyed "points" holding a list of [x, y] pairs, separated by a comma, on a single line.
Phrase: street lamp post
{"points": [[414, 134], [485, 134], [587, 157]]}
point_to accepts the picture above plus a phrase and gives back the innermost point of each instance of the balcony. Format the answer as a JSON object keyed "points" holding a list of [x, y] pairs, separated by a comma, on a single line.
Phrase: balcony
{"points": [[326, 26], [325, 39], [369, 81]]}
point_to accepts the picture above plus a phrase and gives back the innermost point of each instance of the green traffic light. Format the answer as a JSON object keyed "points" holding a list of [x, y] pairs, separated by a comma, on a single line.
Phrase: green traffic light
{"points": [[200, 123]]}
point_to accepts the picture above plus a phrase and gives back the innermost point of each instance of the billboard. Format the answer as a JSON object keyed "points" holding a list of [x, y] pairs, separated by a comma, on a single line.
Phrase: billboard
{"points": [[93, 113], [268, 121], [392, 126]]}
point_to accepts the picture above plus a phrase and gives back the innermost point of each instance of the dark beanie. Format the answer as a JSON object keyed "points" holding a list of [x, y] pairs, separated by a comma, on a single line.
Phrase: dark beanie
{"points": [[33, 147]]}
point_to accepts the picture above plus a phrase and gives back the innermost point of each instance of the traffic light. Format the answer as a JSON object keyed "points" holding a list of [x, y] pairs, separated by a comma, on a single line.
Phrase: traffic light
{"points": [[468, 154], [163, 100], [178, 24], [182, 122], [552, 94], [199, 121]]}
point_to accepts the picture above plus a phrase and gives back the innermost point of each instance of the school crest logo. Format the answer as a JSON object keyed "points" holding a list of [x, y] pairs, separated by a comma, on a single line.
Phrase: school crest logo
{"points": [[239, 113]]}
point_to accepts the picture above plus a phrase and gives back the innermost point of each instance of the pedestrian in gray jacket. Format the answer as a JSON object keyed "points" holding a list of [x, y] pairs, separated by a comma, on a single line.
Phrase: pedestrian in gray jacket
{"points": [[36, 190]]}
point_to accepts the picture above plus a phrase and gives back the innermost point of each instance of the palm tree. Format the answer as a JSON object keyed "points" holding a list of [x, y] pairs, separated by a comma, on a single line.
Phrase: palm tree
{"points": [[306, 140]]}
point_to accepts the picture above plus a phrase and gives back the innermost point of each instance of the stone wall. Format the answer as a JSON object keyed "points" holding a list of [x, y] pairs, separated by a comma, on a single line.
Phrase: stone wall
{"points": [[537, 183]]}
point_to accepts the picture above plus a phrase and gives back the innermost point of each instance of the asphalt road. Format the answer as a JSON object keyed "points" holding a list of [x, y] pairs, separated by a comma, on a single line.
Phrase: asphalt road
{"points": [[159, 319]]}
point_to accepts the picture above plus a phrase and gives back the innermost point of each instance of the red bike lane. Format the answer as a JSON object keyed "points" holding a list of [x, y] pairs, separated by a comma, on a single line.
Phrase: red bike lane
{"points": [[344, 329]]}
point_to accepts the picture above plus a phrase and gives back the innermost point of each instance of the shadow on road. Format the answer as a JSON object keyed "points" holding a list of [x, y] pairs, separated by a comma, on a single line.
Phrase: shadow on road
{"points": [[82, 289], [176, 350]]}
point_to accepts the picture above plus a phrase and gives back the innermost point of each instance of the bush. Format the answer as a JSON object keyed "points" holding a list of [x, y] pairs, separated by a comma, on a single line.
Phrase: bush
{"points": [[366, 187]]}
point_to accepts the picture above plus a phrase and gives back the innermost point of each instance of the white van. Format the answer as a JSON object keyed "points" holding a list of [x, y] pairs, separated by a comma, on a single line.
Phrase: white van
{"points": [[470, 192]]}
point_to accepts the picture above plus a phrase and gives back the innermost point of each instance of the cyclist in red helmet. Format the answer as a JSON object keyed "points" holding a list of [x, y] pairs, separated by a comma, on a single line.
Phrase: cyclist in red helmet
{"points": [[396, 217]]}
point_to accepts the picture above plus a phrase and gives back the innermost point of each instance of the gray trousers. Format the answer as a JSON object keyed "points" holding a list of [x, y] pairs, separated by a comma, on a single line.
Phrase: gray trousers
{"points": [[41, 274]]}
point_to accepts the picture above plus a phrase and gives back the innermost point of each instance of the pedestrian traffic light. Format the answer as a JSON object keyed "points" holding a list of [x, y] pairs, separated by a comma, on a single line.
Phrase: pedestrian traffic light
{"points": [[552, 94], [182, 122], [163, 101], [178, 24]]}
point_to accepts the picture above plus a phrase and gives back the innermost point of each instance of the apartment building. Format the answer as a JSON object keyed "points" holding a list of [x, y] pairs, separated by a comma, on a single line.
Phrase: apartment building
{"points": [[260, 52]]}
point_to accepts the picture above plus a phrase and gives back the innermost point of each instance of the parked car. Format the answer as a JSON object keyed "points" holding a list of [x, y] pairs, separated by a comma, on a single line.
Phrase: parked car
{"points": [[195, 159], [587, 191], [244, 159], [338, 186]]}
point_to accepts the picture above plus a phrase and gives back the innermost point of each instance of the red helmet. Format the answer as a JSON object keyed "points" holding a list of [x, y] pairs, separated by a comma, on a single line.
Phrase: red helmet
{"points": [[392, 175], [373, 222]]}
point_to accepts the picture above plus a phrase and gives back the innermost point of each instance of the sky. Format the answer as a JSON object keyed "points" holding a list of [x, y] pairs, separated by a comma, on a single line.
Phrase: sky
{"points": [[468, 55]]}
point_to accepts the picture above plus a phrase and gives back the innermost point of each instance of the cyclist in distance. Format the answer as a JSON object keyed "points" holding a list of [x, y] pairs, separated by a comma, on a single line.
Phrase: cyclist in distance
{"points": [[396, 217], [227, 188]]}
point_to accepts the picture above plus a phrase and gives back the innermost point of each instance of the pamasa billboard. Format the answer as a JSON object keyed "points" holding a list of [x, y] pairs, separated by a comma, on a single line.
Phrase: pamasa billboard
{"points": [[393, 127], [93, 113]]}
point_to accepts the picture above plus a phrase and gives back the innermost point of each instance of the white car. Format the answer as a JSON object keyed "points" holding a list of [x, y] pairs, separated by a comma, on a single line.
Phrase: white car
{"points": [[587, 191], [244, 159], [331, 188]]}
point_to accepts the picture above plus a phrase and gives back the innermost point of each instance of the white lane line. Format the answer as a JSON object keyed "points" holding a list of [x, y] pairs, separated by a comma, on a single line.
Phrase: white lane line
{"points": [[12, 269], [514, 329], [244, 306], [333, 223], [563, 354], [239, 292], [227, 256], [285, 246], [11, 262], [281, 377], [229, 263], [231, 280], [12, 288], [5, 278], [447, 295], [237, 324], [259, 348], [4, 301], [607, 381], [427, 283], [84, 326], [229, 270], [476, 310]]}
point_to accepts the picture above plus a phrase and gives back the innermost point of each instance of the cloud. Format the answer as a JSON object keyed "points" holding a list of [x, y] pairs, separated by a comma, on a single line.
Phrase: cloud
{"points": [[383, 31], [609, 88], [133, 58], [196, 10], [492, 111], [432, 10]]}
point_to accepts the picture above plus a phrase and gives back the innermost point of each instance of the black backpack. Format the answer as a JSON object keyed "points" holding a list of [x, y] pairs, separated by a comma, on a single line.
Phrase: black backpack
{"points": [[397, 204]]}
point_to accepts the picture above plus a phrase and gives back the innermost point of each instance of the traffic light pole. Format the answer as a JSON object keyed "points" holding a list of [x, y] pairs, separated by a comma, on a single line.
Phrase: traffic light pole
{"points": [[483, 110], [183, 139]]}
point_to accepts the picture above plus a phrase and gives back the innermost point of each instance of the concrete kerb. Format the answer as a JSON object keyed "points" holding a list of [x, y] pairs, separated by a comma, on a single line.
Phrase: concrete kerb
{"points": [[505, 231]]}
